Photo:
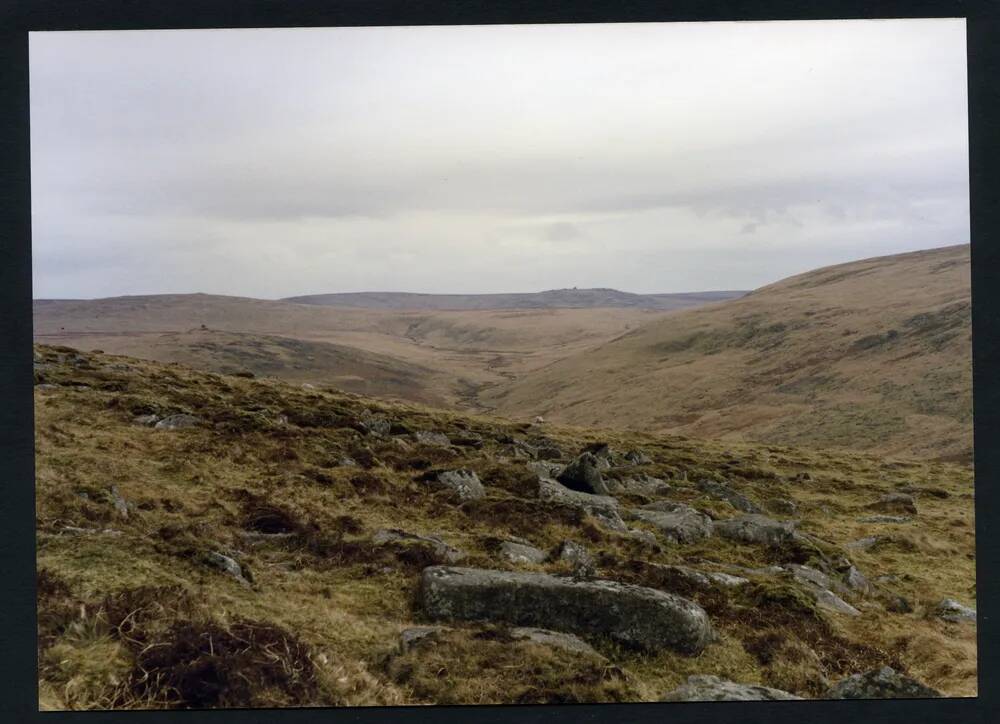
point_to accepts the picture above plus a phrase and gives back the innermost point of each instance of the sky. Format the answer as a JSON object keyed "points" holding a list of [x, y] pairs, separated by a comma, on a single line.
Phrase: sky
{"points": [[663, 157]]}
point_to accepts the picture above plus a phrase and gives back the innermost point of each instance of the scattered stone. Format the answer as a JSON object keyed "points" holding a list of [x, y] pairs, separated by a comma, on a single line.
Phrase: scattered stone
{"points": [[442, 551], [808, 575], [885, 519], [712, 688], [410, 637], [177, 422], [520, 553], [544, 468], [577, 556], [951, 610], [539, 420], [121, 507], [830, 601], [781, 506], [637, 457], [464, 483], [634, 616], [376, 423], [722, 491], [601, 507], [426, 437], [856, 580], [895, 503], [759, 529], [146, 420], [227, 565], [704, 580], [884, 683], [641, 484], [307, 386], [584, 475], [866, 543], [347, 462], [682, 525], [644, 537], [554, 639]]}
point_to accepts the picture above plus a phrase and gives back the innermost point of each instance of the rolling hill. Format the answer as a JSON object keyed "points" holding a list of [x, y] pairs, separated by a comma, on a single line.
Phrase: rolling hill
{"points": [[870, 355]]}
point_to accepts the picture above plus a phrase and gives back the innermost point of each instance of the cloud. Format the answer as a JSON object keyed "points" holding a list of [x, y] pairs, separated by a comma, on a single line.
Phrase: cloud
{"points": [[352, 158]]}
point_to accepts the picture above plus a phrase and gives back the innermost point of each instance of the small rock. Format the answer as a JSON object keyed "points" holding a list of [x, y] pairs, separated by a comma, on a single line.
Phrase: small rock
{"points": [[637, 457], [759, 529], [896, 503], [554, 639], [722, 491], [683, 524], [146, 420], [866, 543], [539, 420], [376, 423], [307, 386], [426, 437], [885, 519], [884, 683], [464, 483], [121, 507], [951, 610], [227, 565], [712, 688], [577, 556], [601, 507], [641, 484], [644, 537], [347, 462], [544, 468], [46, 387], [857, 581], [177, 422], [584, 475], [521, 554], [830, 601], [410, 637]]}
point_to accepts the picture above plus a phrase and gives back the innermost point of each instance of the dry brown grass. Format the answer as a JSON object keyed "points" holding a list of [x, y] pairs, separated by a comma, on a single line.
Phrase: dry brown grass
{"points": [[322, 592]]}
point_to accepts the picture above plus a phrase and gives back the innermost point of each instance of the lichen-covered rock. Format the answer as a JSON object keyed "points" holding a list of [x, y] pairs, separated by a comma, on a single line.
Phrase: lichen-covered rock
{"points": [[177, 422], [554, 639], [641, 484], [884, 683], [759, 529], [951, 610], [227, 565], [544, 468], [830, 601], [414, 635], [584, 475], [683, 524], [721, 491], [577, 556], [633, 616], [464, 483], [521, 553], [701, 580], [426, 437], [712, 688], [602, 508]]}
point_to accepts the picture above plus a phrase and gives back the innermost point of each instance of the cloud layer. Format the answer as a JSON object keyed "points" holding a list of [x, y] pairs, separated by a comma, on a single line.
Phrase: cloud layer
{"points": [[651, 158]]}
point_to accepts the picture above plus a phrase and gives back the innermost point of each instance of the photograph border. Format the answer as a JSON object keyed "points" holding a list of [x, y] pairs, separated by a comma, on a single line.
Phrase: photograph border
{"points": [[18, 666]]}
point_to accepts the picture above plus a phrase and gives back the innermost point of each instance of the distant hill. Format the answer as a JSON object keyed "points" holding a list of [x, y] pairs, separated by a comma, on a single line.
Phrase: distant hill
{"points": [[551, 299], [874, 355]]}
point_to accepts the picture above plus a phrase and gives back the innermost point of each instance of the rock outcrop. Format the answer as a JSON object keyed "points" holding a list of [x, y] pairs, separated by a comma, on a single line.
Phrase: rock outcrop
{"points": [[712, 688], [634, 616]]}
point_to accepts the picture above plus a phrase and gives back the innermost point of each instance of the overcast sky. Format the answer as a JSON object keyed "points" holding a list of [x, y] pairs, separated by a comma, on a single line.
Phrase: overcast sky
{"points": [[645, 157]]}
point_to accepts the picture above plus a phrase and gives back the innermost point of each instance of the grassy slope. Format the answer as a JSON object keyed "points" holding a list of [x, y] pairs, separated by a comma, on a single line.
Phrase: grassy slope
{"points": [[322, 617], [875, 354]]}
